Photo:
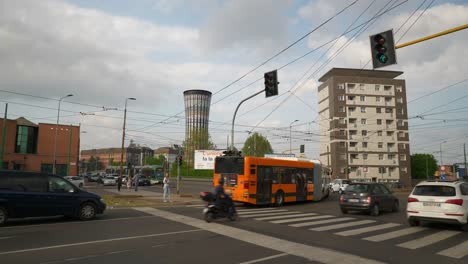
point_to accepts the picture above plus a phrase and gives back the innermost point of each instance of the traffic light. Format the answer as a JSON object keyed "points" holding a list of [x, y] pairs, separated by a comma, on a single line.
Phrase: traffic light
{"points": [[271, 83], [302, 148], [383, 49], [179, 160]]}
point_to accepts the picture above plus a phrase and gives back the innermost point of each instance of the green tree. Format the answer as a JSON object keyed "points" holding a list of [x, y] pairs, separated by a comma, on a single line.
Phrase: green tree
{"points": [[94, 164], [423, 164], [160, 160], [257, 145]]}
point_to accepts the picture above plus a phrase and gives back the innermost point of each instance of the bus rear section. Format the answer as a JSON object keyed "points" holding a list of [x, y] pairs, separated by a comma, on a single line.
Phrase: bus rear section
{"points": [[236, 182]]}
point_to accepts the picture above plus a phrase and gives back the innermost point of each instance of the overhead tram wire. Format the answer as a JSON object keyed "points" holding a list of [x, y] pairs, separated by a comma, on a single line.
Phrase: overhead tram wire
{"points": [[282, 102], [277, 54]]}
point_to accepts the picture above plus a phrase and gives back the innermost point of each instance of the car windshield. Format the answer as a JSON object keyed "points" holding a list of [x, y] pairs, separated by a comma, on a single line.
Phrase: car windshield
{"points": [[109, 177], [434, 190], [346, 182], [357, 188]]}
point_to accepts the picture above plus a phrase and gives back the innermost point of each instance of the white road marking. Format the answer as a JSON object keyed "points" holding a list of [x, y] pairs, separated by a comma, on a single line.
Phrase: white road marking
{"points": [[6, 237], [78, 222], [195, 205], [428, 240], [366, 229], [256, 209], [283, 216], [338, 226], [311, 253], [334, 220], [117, 252], [263, 259], [458, 251], [270, 214], [301, 219], [97, 241], [395, 234], [260, 212]]}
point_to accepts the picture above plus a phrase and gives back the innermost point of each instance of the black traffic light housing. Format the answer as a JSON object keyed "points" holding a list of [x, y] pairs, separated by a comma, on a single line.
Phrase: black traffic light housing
{"points": [[179, 159], [383, 49], [302, 148], [271, 83]]}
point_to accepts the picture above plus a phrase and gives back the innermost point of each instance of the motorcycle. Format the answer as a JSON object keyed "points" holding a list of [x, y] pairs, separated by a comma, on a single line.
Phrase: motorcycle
{"points": [[212, 212]]}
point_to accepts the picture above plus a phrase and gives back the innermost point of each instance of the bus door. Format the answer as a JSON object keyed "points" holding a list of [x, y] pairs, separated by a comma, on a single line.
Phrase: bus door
{"points": [[264, 185], [301, 186]]}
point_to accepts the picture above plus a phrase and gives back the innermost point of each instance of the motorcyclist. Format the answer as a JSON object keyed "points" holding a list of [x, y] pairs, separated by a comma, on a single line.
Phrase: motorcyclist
{"points": [[222, 200]]}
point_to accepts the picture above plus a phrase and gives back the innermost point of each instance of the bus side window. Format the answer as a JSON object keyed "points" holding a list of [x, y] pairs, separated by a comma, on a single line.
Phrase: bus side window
{"points": [[310, 175]]}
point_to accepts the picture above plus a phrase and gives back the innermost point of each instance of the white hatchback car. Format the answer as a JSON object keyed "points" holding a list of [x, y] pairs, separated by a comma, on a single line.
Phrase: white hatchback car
{"points": [[439, 201], [339, 185], [76, 180]]}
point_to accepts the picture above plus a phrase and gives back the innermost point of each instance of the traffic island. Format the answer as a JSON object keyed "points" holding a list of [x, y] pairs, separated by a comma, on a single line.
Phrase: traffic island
{"points": [[125, 201]]}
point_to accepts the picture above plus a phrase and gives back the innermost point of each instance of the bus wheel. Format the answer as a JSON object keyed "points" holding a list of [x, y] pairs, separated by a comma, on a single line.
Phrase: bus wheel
{"points": [[279, 198]]}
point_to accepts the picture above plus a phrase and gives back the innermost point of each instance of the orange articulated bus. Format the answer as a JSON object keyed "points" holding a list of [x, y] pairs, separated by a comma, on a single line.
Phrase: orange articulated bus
{"points": [[264, 181]]}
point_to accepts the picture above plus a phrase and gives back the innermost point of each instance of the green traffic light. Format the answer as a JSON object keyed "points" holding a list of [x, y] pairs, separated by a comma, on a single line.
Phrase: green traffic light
{"points": [[382, 58]]}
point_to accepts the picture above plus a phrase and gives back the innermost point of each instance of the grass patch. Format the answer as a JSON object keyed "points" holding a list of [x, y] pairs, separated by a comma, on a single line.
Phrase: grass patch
{"points": [[124, 201]]}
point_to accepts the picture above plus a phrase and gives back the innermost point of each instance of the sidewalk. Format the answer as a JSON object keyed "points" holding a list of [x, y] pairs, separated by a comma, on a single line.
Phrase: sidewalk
{"points": [[130, 198]]}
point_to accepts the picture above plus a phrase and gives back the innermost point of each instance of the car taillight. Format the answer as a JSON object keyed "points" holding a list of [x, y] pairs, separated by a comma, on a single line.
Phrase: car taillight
{"points": [[246, 185], [455, 201], [412, 200], [369, 199]]}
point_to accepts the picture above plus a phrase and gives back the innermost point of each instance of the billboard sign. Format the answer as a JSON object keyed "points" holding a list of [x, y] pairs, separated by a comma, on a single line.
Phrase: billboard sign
{"points": [[204, 159]]}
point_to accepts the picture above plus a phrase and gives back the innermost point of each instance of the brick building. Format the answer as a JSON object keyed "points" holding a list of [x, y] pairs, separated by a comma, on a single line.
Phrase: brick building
{"points": [[30, 146]]}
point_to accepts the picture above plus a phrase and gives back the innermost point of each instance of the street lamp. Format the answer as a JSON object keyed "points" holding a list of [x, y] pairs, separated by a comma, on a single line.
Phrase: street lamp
{"points": [[123, 137], [290, 126], [54, 165]]}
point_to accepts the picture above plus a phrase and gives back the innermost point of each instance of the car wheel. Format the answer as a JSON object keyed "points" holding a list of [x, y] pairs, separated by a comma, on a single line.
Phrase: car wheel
{"points": [[375, 210], [279, 198], [413, 222], [87, 211], [344, 211], [3, 216], [396, 206]]}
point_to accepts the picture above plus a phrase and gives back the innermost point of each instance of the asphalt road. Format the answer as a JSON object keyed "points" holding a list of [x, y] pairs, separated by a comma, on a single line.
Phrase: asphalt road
{"points": [[295, 233]]}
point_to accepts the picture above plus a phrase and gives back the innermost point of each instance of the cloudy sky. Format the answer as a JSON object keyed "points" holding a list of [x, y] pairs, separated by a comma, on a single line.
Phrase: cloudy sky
{"points": [[105, 51]]}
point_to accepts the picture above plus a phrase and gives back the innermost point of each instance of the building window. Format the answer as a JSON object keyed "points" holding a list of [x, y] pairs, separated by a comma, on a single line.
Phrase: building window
{"points": [[387, 87], [351, 109], [342, 133], [364, 144], [353, 144], [26, 139], [391, 156], [363, 109], [364, 133], [342, 144], [380, 156], [377, 87], [380, 145], [402, 157], [399, 100], [388, 110], [341, 97], [341, 86], [389, 133], [361, 86], [404, 169], [341, 109], [363, 121], [400, 111], [401, 123], [379, 133], [342, 121], [378, 110], [364, 156], [351, 97], [377, 99], [399, 89], [362, 98], [388, 99], [382, 170], [379, 121]]}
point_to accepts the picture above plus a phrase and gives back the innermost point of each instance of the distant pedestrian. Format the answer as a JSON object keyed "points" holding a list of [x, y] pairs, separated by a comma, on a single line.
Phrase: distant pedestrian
{"points": [[167, 189], [119, 183], [135, 181]]}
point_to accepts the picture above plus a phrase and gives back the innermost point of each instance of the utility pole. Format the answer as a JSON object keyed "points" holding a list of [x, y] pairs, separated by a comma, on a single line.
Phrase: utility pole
{"points": [[69, 150], [123, 142], [54, 165], [2, 147], [235, 113], [464, 154]]}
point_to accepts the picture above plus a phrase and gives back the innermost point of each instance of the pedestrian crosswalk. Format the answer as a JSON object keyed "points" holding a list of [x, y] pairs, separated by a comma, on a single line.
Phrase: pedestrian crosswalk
{"points": [[411, 238]]}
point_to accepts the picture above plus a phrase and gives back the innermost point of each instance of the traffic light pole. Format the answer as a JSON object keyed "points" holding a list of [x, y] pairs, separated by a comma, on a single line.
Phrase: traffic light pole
{"points": [[2, 146], [235, 113], [432, 36]]}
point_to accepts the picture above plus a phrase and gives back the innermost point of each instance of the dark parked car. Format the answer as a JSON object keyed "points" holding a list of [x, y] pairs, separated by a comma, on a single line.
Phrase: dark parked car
{"points": [[368, 197], [144, 181], [32, 194]]}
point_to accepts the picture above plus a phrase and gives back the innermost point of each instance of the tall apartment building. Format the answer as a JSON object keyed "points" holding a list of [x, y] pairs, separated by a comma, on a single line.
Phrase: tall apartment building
{"points": [[364, 125]]}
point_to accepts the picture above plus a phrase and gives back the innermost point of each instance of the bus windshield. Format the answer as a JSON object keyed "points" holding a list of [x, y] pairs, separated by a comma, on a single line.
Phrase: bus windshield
{"points": [[229, 165]]}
